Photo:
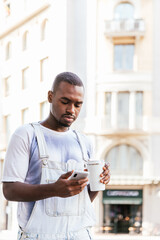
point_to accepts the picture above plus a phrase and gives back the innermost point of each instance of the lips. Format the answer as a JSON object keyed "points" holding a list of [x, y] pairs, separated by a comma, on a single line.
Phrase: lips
{"points": [[69, 118]]}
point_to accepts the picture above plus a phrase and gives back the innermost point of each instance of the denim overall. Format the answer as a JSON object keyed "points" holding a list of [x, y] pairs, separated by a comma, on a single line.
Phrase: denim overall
{"points": [[58, 218]]}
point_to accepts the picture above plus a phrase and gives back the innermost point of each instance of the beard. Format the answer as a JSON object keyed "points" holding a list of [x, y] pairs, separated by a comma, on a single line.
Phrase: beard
{"points": [[64, 124]]}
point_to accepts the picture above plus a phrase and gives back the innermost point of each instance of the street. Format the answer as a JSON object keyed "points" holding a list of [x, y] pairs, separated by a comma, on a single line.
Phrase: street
{"points": [[10, 235], [125, 237]]}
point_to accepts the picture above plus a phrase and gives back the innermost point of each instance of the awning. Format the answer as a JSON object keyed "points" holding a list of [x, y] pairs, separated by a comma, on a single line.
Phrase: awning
{"points": [[122, 196], [130, 201]]}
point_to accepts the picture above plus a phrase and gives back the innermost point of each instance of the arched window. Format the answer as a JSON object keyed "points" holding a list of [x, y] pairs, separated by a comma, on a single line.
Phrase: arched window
{"points": [[7, 86], [44, 29], [8, 51], [125, 160], [25, 78], [44, 69], [124, 11], [25, 41]]}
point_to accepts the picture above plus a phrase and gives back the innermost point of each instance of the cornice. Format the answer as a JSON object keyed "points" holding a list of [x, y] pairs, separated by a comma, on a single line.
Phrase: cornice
{"points": [[24, 20]]}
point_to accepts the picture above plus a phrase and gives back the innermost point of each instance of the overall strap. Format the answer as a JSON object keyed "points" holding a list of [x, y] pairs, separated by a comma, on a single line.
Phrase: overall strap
{"points": [[43, 147], [41, 141], [82, 146]]}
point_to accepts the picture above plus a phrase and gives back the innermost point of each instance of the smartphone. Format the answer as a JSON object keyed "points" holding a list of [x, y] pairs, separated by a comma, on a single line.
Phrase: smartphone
{"points": [[78, 175]]}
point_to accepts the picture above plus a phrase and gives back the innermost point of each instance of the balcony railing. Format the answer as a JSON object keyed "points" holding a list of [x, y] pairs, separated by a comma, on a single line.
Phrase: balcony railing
{"points": [[125, 27]]}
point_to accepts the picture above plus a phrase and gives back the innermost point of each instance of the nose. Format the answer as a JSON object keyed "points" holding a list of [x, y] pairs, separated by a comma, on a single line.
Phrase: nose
{"points": [[70, 109]]}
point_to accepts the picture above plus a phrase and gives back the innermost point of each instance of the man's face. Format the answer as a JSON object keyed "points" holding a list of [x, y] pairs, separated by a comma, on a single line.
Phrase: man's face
{"points": [[66, 103]]}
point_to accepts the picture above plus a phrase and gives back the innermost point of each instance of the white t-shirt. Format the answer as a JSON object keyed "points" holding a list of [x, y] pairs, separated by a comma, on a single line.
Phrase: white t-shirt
{"points": [[22, 161]]}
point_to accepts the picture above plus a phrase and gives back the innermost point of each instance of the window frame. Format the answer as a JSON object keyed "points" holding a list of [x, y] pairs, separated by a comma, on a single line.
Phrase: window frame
{"points": [[43, 30], [8, 51], [24, 84], [25, 41], [42, 78], [123, 62], [126, 168]]}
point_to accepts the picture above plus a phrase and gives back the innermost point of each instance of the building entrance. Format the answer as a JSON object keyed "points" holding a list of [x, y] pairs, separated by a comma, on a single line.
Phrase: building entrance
{"points": [[123, 218], [122, 214]]}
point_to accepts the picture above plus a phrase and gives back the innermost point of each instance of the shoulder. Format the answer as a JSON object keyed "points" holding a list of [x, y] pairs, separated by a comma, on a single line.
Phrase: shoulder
{"points": [[24, 130], [21, 141], [23, 133]]}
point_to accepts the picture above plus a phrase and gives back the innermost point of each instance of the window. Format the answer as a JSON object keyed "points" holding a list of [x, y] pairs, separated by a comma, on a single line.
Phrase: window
{"points": [[123, 110], [44, 69], [25, 41], [44, 110], [7, 86], [124, 11], [125, 160], [8, 127], [44, 29], [7, 6], [25, 116], [25, 78], [108, 108], [8, 51], [121, 116], [139, 109], [123, 56]]}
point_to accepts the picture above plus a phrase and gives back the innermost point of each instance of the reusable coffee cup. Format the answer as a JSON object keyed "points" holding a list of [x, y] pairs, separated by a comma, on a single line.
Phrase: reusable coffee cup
{"points": [[95, 168]]}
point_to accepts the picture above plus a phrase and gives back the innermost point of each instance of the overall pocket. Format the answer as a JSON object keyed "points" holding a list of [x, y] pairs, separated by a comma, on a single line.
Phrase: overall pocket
{"points": [[57, 206], [71, 206]]}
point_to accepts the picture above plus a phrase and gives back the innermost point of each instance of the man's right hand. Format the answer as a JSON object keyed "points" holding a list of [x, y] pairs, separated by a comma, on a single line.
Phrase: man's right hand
{"points": [[66, 187], [63, 187]]}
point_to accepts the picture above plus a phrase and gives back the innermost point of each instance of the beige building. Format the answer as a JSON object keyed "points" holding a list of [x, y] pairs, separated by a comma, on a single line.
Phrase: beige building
{"points": [[126, 118], [113, 46]]}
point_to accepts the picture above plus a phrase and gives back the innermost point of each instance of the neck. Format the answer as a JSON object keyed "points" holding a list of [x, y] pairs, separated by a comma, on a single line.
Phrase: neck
{"points": [[53, 125]]}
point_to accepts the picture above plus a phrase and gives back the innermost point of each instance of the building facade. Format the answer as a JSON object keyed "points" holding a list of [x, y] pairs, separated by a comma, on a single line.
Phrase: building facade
{"points": [[125, 121], [113, 46]]}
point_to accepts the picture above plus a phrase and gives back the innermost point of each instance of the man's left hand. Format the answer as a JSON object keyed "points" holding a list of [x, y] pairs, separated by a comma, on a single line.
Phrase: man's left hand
{"points": [[105, 175]]}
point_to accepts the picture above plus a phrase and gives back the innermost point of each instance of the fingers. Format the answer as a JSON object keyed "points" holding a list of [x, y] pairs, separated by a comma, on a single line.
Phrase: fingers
{"points": [[106, 166], [105, 179], [105, 175], [75, 186], [78, 182], [66, 175], [105, 171], [86, 170], [78, 188]]}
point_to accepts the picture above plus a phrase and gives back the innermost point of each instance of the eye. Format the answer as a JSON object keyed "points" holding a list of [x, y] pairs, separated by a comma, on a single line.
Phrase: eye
{"points": [[78, 105], [64, 102]]}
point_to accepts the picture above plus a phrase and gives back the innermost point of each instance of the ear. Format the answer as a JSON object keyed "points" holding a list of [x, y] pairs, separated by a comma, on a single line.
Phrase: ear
{"points": [[50, 96]]}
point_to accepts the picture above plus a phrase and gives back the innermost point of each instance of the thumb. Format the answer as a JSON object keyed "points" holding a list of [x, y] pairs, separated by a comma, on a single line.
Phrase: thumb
{"points": [[66, 175]]}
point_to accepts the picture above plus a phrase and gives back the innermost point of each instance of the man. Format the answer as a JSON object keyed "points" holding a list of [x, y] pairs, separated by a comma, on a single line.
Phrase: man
{"points": [[39, 161]]}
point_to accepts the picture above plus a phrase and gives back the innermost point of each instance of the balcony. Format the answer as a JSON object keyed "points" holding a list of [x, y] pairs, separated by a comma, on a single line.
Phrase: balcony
{"points": [[125, 28]]}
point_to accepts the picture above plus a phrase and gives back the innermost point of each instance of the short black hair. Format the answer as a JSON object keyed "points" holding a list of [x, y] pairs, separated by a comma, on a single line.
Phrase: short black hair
{"points": [[68, 77]]}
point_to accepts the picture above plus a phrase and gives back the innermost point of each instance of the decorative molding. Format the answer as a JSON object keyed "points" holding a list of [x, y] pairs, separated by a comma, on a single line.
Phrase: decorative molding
{"points": [[24, 20]]}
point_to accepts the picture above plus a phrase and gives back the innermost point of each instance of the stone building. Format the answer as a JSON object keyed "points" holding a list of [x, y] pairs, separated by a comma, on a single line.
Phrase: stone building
{"points": [[113, 45]]}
